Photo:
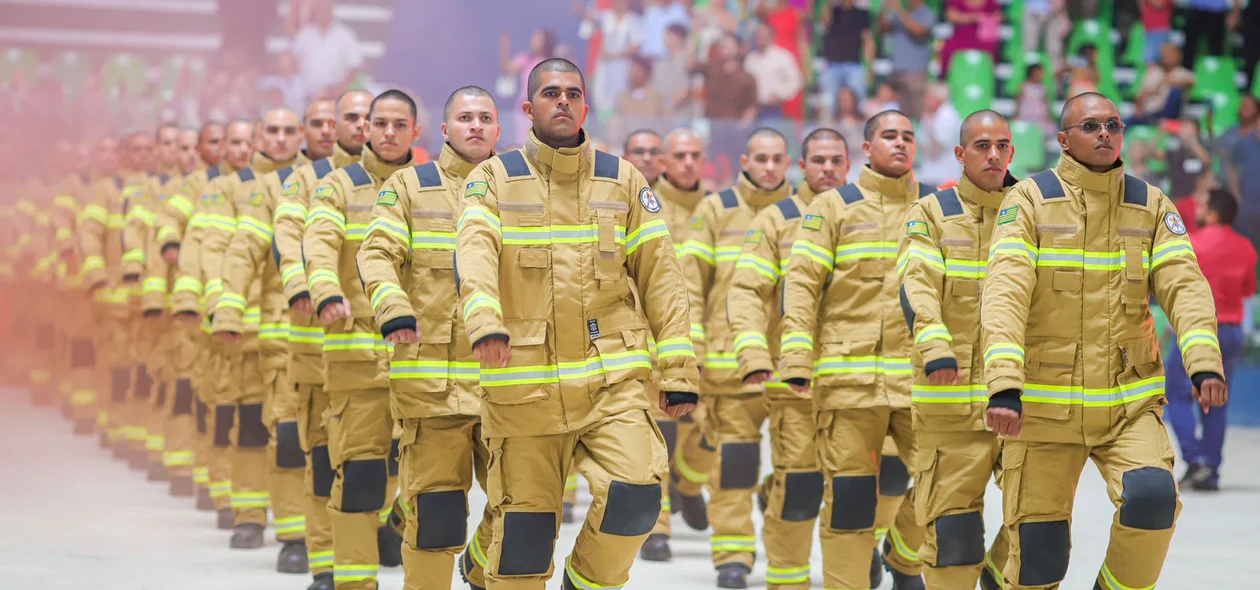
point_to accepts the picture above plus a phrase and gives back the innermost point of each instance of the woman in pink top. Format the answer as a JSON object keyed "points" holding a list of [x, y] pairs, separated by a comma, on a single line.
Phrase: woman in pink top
{"points": [[975, 27]]}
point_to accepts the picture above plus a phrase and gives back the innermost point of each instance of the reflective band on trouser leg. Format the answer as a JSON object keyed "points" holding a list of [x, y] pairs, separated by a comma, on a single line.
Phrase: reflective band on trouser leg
{"points": [[735, 423], [693, 457], [348, 573], [360, 430], [290, 527], [793, 495], [288, 497]]}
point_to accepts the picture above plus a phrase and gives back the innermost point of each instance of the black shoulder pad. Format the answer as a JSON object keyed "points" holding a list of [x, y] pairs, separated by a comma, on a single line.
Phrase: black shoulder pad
{"points": [[950, 205], [1134, 191], [358, 175], [322, 168], [851, 194], [428, 175], [85, 178], [788, 208], [925, 189], [729, 199], [284, 173], [606, 165], [118, 182], [212, 173], [1051, 187], [514, 163], [245, 174], [164, 178]]}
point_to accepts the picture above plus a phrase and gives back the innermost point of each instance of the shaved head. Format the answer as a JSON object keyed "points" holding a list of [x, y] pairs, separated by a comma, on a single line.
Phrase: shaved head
{"points": [[555, 64], [468, 91], [316, 106], [353, 97], [682, 134], [873, 124], [1072, 109], [976, 119], [763, 133]]}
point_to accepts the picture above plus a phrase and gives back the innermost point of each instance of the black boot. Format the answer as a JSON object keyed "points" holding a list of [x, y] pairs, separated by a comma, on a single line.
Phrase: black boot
{"points": [[987, 582], [183, 487], [568, 584], [906, 582], [227, 519], [695, 511], [877, 569], [292, 558], [732, 575], [566, 513], [247, 536], [204, 502], [389, 546], [157, 472], [656, 548], [138, 460], [84, 427], [1195, 473], [322, 582], [465, 566]]}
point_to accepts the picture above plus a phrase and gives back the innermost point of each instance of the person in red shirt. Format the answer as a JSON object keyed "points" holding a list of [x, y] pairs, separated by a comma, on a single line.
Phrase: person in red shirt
{"points": [[1228, 261]]}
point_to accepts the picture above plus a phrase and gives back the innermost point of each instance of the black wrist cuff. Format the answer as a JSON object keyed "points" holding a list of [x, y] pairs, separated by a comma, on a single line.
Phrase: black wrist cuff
{"points": [[490, 337], [325, 303], [299, 297], [938, 364], [396, 324], [677, 398], [754, 373], [797, 381], [1199, 378], [1009, 399], [169, 246]]}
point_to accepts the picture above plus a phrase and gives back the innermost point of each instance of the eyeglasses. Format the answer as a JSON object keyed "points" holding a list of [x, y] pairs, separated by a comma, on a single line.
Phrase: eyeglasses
{"points": [[642, 151], [1091, 126]]}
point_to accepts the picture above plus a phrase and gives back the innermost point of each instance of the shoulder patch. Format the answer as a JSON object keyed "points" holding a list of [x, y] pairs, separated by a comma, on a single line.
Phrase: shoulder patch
{"points": [[1134, 191], [606, 165], [754, 236], [812, 222], [1008, 215], [245, 174], [323, 192], [648, 199], [789, 209], [729, 199], [948, 200], [387, 197], [1174, 223], [322, 168], [291, 189], [916, 227], [697, 223], [514, 163], [256, 199], [1049, 185], [212, 173], [476, 189], [358, 176]]}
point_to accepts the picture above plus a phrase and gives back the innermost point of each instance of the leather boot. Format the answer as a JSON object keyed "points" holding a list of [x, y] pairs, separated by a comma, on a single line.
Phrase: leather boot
{"points": [[183, 487], [247, 536], [389, 546], [732, 575], [322, 582], [204, 502], [227, 519], [695, 511], [656, 548], [292, 558]]}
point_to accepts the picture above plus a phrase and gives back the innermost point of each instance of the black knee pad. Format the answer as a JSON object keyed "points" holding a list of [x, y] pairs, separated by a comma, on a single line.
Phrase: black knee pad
{"points": [[252, 433], [853, 501], [203, 414], [669, 431], [183, 402], [363, 485], [119, 383], [705, 444], [442, 518], [393, 458], [144, 383], [1044, 548], [224, 416], [631, 509], [289, 453], [160, 401], [528, 543], [894, 478], [44, 337], [802, 496], [1150, 499], [322, 474], [960, 539], [741, 463], [82, 354]]}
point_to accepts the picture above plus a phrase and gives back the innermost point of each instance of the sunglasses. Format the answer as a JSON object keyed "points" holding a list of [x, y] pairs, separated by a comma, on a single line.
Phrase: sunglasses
{"points": [[1091, 126]]}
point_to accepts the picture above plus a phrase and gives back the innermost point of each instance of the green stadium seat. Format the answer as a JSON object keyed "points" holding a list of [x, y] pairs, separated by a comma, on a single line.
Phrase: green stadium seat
{"points": [[1225, 107], [1255, 82], [1213, 75], [1030, 149], [971, 81], [1092, 32], [18, 62], [1135, 52]]}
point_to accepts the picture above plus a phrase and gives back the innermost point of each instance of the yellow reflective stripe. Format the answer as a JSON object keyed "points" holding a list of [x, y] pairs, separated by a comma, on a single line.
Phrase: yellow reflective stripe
{"points": [[273, 331], [728, 254], [949, 394], [697, 332], [187, 285], [201, 475], [134, 255], [388, 227], [1093, 398], [290, 525], [353, 341], [223, 222], [759, 265], [253, 315], [91, 263], [435, 369], [478, 301], [844, 365], [177, 458], [116, 221], [336, 217], [747, 339], [787, 575], [813, 252], [355, 232], [796, 341], [144, 215], [687, 472], [865, 250], [66, 202], [291, 272], [1113, 584], [557, 234], [258, 228], [700, 250], [181, 204], [1085, 259], [478, 554], [294, 210], [478, 213], [900, 545], [354, 572], [721, 360], [645, 233], [306, 334], [1169, 250], [570, 483], [167, 235], [213, 286], [1003, 350], [933, 332], [930, 256], [63, 233], [966, 269], [733, 543], [230, 300], [1014, 247], [569, 370], [250, 499], [322, 275], [582, 583], [219, 489], [83, 397], [154, 285], [432, 240], [93, 213], [320, 559], [1198, 338], [384, 290], [675, 347]]}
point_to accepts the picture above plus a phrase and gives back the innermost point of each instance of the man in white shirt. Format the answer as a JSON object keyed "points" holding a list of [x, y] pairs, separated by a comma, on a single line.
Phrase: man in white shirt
{"points": [[776, 71], [938, 131], [657, 18], [327, 51]]}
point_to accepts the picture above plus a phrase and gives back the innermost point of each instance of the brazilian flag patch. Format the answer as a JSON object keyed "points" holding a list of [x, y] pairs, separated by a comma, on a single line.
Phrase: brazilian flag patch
{"points": [[387, 197], [290, 189], [323, 192], [1008, 215], [916, 228], [812, 222], [754, 236], [476, 189], [697, 223], [256, 199]]}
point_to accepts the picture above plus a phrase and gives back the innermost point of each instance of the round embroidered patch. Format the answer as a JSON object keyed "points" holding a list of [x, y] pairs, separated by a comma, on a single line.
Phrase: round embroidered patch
{"points": [[1174, 224], [649, 201]]}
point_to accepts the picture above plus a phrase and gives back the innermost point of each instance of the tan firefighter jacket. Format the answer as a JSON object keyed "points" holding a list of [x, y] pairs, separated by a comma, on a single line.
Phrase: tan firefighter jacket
{"points": [[677, 208]]}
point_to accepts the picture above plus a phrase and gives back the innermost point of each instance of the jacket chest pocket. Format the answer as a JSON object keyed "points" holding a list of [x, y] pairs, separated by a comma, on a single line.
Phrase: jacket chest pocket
{"points": [[619, 335], [965, 270], [531, 375], [1142, 373], [1135, 271], [1049, 366], [524, 231], [862, 254], [610, 244]]}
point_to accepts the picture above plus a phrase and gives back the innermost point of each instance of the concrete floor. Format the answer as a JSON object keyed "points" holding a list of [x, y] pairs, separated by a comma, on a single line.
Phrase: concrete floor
{"points": [[72, 518]]}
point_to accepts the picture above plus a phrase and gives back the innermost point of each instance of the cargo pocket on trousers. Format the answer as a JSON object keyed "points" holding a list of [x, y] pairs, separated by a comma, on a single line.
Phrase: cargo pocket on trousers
{"points": [[1048, 390], [924, 471], [1141, 377], [406, 458], [1012, 468], [531, 375], [333, 418]]}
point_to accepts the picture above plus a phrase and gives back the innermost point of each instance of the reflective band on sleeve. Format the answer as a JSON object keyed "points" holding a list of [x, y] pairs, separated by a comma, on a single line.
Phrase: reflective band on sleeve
{"points": [[757, 264], [214, 286], [388, 227], [747, 339], [933, 332], [1003, 350], [229, 300], [181, 204], [295, 210], [796, 341], [291, 272], [273, 331], [645, 233], [1198, 338], [154, 285], [253, 226], [929, 256], [252, 315], [818, 254], [187, 285], [322, 276], [700, 250], [337, 218], [1014, 247], [1169, 250], [675, 347], [385, 290], [479, 214], [95, 213], [721, 360], [355, 232], [93, 263], [481, 300], [697, 332], [134, 255]]}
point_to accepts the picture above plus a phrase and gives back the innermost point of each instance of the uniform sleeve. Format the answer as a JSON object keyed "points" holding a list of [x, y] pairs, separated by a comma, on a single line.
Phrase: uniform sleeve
{"points": [[385, 249], [1008, 289], [756, 276], [92, 220], [812, 260], [65, 209], [1184, 294], [477, 253], [243, 261], [289, 223], [653, 266], [139, 222], [220, 225], [699, 263], [921, 269], [321, 243], [189, 282], [173, 216]]}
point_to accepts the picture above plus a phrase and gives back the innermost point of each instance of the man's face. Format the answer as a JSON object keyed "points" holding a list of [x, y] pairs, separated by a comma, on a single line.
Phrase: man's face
{"points": [[239, 144], [826, 165], [728, 48], [638, 75], [684, 157], [105, 159], [140, 153], [891, 151], [558, 109], [764, 37], [352, 121], [210, 144], [643, 150], [1086, 136], [280, 134], [186, 151], [472, 128], [987, 154], [765, 161], [321, 129], [393, 130], [166, 140]]}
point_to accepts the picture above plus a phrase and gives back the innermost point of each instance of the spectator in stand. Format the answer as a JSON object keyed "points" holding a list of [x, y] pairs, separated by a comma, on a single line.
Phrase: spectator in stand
{"points": [[1228, 262], [1032, 105], [658, 18], [1081, 73], [620, 32], [639, 106], [1242, 164], [908, 26], [671, 75], [284, 87], [846, 44], [1192, 207], [730, 101], [885, 99], [1248, 114], [1249, 31], [976, 25], [327, 52], [789, 25], [542, 46], [938, 134], [1157, 22], [1209, 21], [1185, 155], [777, 73], [850, 122], [1165, 87], [1046, 19]]}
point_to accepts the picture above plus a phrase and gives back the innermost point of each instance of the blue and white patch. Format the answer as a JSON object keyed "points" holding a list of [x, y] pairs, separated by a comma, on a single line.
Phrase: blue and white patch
{"points": [[1173, 222], [648, 199]]}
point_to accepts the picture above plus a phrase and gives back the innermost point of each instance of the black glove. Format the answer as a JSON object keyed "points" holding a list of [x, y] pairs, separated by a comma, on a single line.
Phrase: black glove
{"points": [[678, 398], [1009, 399]]}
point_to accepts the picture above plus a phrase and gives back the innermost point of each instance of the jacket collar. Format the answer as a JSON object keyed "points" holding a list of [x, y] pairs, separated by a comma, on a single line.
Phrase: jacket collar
{"points": [[263, 164], [757, 197], [561, 162], [1076, 174], [378, 168], [978, 196], [903, 188], [341, 158], [687, 199], [453, 164]]}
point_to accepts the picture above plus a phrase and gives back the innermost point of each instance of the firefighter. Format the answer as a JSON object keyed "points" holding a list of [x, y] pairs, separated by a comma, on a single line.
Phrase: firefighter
{"points": [[305, 333], [407, 262], [78, 361], [735, 410], [841, 291], [356, 358], [1072, 368], [195, 281], [566, 230], [941, 265]]}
